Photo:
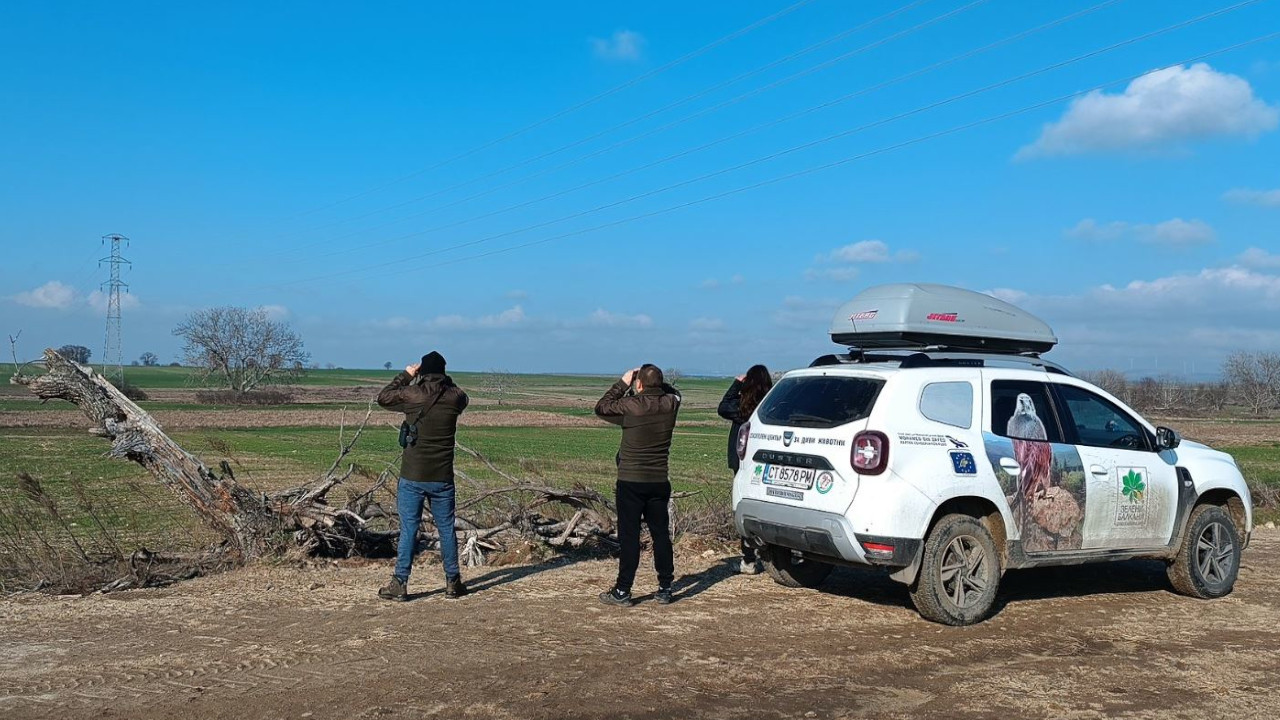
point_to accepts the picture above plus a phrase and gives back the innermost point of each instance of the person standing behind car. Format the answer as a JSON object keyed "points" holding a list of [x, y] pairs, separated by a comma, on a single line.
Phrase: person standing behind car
{"points": [[741, 399], [431, 404], [647, 413]]}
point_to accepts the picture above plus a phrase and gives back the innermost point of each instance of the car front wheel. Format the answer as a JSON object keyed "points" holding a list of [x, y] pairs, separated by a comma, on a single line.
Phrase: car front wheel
{"points": [[959, 573], [1209, 558], [787, 568]]}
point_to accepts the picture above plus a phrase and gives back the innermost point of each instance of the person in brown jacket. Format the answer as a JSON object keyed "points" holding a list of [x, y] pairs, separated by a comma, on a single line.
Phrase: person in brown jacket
{"points": [[431, 404], [647, 414]]}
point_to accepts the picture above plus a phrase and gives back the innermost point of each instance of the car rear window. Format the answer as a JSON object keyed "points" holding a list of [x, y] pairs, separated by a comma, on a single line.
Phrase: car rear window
{"points": [[819, 401]]}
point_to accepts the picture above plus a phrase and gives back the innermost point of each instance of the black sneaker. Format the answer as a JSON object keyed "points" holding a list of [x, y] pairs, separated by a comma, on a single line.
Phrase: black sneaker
{"points": [[454, 589], [621, 598], [663, 596], [396, 590]]}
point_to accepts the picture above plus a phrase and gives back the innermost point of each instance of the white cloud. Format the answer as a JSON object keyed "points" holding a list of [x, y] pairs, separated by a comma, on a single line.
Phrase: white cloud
{"points": [[624, 46], [706, 324], [98, 301], [604, 318], [1177, 233], [1244, 196], [275, 312], [737, 280], [517, 295], [716, 283], [1162, 108], [1174, 233], [710, 284], [865, 251], [1162, 323], [1090, 230], [52, 294], [1259, 259], [1009, 295], [508, 318], [842, 264]]}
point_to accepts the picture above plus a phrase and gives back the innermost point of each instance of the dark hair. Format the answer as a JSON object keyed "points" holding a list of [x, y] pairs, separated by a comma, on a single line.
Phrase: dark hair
{"points": [[755, 385], [650, 375]]}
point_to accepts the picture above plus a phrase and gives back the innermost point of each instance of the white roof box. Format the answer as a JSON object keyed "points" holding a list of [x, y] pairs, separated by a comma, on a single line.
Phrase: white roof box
{"points": [[910, 315]]}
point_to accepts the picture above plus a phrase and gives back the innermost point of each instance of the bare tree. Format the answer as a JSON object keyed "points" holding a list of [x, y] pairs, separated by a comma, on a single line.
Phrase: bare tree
{"points": [[149, 359], [240, 347], [1254, 379], [498, 383], [13, 348], [386, 365], [1113, 381], [672, 376]]}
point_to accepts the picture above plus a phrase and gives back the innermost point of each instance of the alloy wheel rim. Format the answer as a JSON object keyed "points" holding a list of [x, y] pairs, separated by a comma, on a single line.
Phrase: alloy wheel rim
{"points": [[1215, 553], [963, 571]]}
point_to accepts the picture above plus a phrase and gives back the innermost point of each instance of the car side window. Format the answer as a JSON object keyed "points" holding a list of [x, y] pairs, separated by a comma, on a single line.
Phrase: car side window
{"points": [[950, 403], [1099, 423], [1022, 410]]}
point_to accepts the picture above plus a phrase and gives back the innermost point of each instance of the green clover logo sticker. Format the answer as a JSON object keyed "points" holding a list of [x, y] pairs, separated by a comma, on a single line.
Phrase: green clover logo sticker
{"points": [[1133, 486]]}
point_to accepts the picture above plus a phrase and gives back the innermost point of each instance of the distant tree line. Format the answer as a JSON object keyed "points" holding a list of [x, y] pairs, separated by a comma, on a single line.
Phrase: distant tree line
{"points": [[1249, 380]]}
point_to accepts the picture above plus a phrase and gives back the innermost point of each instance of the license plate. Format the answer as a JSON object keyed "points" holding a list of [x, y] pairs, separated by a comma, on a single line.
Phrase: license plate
{"points": [[792, 477]]}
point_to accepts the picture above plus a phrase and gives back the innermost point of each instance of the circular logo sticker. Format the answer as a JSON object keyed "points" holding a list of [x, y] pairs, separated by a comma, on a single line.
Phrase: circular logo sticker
{"points": [[825, 481]]}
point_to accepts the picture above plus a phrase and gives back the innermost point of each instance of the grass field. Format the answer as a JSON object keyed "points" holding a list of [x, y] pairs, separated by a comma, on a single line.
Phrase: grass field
{"points": [[91, 489]]}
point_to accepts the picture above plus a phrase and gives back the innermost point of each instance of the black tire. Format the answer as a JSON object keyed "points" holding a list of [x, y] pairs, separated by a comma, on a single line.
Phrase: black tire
{"points": [[954, 594], [788, 569], [1208, 558]]}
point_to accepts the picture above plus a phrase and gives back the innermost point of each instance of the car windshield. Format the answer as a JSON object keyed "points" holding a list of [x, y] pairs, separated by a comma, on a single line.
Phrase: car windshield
{"points": [[819, 401]]}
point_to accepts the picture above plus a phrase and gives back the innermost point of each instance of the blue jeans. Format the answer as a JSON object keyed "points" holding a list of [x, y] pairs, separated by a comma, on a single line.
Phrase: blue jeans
{"points": [[410, 497]]}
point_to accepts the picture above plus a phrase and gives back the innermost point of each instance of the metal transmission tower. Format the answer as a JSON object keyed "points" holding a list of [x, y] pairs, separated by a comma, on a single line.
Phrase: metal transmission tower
{"points": [[113, 352]]}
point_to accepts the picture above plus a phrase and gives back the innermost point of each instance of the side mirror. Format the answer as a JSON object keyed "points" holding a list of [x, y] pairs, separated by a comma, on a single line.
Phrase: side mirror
{"points": [[1167, 438]]}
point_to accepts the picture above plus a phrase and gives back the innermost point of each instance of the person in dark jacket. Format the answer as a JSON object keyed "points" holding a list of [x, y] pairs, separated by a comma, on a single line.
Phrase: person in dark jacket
{"points": [[431, 404], [646, 409], [742, 398]]}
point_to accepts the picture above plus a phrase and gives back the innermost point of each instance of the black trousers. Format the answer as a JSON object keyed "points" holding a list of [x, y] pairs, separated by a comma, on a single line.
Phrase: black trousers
{"points": [[644, 502]]}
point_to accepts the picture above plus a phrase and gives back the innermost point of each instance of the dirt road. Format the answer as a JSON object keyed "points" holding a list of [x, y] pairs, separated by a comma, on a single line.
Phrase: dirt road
{"points": [[1099, 641]]}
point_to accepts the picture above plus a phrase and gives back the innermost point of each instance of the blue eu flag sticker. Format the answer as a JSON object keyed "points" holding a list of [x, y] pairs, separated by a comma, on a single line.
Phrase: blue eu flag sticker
{"points": [[962, 463]]}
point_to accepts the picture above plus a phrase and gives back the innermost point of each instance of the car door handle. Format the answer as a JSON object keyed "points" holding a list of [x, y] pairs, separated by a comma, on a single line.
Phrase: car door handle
{"points": [[1098, 470], [1010, 466]]}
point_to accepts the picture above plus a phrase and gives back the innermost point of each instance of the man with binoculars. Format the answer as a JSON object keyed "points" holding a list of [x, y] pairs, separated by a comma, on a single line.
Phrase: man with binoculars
{"points": [[431, 404], [646, 409]]}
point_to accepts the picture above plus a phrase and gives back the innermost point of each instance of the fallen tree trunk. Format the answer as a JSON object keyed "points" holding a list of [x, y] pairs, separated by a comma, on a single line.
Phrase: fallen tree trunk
{"points": [[254, 524]]}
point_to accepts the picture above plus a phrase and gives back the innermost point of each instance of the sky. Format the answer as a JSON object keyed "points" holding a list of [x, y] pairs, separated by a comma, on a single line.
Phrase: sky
{"points": [[583, 186]]}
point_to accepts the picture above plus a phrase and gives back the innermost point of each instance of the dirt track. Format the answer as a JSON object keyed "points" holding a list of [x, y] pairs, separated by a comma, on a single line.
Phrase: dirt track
{"points": [[1097, 641]]}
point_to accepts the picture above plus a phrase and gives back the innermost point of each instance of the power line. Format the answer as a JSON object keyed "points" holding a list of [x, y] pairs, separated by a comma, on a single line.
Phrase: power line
{"points": [[653, 113], [804, 146], [690, 151], [572, 108]]}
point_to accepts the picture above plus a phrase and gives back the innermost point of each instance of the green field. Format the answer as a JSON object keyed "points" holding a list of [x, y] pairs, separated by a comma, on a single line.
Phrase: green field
{"points": [[91, 492]]}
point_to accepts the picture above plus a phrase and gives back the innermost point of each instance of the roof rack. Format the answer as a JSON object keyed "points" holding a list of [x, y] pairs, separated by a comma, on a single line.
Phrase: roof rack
{"points": [[911, 358]]}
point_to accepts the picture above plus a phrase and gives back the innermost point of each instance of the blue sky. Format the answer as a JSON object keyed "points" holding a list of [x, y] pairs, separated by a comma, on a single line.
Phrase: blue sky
{"points": [[295, 156]]}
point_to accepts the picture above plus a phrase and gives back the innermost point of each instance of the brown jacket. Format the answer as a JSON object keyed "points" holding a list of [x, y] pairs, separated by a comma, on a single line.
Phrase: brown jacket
{"points": [[648, 420], [430, 459]]}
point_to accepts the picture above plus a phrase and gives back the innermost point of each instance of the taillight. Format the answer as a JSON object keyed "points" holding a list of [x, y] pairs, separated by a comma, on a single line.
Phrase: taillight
{"points": [[870, 455], [743, 432]]}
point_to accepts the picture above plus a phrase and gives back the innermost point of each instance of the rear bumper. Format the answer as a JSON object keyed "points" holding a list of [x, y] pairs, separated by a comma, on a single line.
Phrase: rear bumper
{"points": [[819, 533]]}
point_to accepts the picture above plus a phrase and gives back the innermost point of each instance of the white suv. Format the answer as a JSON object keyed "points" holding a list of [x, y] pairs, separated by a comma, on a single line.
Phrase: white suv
{"points": [[945, 450]]}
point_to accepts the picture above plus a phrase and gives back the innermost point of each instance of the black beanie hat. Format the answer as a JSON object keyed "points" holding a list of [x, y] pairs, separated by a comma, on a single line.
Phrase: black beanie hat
{"points": [[432, 363]]}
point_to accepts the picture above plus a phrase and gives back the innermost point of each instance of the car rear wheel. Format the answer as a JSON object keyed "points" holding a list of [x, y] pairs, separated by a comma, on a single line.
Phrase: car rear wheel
{"points": [[959, 573], [787, 568], [1209, 558]]}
